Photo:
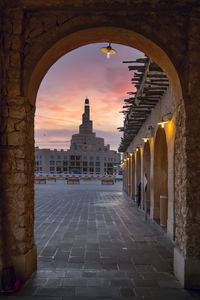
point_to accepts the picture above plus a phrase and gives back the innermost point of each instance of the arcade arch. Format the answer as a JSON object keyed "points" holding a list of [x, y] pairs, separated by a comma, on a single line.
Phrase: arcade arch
{"points": [[133, 190], [160, 171], [138, 176], [146, 172]]}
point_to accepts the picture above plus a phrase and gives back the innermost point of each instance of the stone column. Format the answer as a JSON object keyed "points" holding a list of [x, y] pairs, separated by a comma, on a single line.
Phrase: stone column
{"points": [[187, 168], [17, 156], [151, 185], [142, 177], [128, 174], [131, 176]]}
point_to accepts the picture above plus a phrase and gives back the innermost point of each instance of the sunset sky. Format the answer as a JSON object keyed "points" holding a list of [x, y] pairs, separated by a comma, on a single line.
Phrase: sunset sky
{"points": [[83, 72]]}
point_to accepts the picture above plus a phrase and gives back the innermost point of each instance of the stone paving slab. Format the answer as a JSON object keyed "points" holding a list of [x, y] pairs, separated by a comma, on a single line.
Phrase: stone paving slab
{"points": [[94, 244]]}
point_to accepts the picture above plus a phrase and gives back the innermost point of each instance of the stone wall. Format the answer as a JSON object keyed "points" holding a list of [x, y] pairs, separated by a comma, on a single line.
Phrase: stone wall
{"points": [[192, 132], [17, 142]]}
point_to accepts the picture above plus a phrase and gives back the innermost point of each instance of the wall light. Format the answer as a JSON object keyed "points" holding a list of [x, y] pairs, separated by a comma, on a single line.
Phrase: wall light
{"points": [[108, 50], [145, 139], [165, 119], [131, 154]]}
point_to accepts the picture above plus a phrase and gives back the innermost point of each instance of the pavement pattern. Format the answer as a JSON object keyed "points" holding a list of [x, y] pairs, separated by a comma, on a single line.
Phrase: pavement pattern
{"points": [[94, 244]]}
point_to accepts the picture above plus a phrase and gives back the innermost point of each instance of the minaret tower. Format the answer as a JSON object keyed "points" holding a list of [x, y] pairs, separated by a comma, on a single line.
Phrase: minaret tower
{"points": [[86, 126]]}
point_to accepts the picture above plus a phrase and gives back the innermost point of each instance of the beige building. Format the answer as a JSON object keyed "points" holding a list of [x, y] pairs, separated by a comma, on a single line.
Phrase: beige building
{"points": [[87, 153]]}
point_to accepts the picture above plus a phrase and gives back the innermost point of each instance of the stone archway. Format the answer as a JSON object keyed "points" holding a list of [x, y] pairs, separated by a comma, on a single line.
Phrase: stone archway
{"points": [[160, 170], [146, 170], [133, 191], [129, 175], [138, 176], [36, 70], [34, 37], [125, 177]]}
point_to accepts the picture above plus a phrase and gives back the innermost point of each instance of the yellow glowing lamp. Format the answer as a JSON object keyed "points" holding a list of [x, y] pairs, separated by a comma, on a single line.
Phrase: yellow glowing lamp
{"points": [[108, 50], [145, 139], [162, 124]]}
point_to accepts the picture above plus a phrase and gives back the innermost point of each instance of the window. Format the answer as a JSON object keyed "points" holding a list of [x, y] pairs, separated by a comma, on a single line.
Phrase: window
{"points": [[40, 162], [105, 170], [91, 157], [74, 146], [72, 163], [78, 163], [52, 162], [40, 168], [58, 157], [91, 163], [52, 157], [85, 170], [72, 157], [52, 169], [58, 163], [97, 163], [91, 170], [78, 157], [114, 159], [105, 158], [85, 163], [65, 163], [97, 158], [104, 164], [84, 157], [97, 170], [65, 157]]}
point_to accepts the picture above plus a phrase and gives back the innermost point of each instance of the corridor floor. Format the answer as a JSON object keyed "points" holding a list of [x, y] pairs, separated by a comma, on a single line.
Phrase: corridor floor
{"points": [[94, 244]]}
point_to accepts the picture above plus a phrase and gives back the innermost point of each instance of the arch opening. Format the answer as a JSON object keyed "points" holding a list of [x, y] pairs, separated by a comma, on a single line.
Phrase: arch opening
{"points": [[160, 177], [138, 176], [146, 173], [38, 68], [133, 177]]}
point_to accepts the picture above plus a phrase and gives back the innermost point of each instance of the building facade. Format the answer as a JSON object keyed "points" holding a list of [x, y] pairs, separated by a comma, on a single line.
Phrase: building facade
{"points": [[87, 153]]}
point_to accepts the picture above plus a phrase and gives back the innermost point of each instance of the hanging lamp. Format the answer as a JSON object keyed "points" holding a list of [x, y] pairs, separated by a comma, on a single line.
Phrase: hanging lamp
{"points": [[108, 50]]}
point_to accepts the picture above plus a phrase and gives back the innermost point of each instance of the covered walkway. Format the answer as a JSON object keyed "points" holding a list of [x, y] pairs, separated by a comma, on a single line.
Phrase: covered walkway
{"points": [[93, 243]]}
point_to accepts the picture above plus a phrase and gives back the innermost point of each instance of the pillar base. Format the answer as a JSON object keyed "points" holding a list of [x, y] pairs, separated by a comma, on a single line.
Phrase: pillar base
{"points": [[24, 265], [170, 229], [187, 270]]}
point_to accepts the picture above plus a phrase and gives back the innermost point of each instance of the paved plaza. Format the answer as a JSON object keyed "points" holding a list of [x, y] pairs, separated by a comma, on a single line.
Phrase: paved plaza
{"points": [[94, 244]]}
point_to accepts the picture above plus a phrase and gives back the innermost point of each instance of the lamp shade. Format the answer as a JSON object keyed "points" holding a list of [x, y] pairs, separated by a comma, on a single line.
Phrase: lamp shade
{"points": [[108, 50]]}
